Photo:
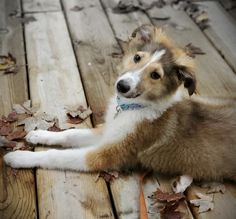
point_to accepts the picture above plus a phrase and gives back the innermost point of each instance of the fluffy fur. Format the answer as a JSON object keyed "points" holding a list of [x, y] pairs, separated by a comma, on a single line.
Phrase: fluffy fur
{"points": [[172, 133]]}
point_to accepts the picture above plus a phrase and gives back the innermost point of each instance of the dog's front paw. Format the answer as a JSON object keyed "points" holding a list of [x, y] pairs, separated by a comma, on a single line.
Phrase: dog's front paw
{"points": [[38, 137], [18, 159]]}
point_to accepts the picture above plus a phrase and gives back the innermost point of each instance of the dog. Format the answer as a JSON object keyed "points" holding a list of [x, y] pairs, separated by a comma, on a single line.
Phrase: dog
{"points": [[151, 121]]}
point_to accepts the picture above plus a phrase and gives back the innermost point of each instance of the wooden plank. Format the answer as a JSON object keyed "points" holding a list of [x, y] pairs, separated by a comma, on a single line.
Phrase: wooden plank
{"points": [[127, 206], [93, 48], [232, 12], [124, 24], [214, 78], [17, 192], [222, 31], [41, 5], [55, 84], [224, 204]]}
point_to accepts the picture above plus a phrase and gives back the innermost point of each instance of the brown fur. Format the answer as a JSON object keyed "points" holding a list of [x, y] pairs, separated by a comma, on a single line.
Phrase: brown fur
{"points": [[194, 136]]}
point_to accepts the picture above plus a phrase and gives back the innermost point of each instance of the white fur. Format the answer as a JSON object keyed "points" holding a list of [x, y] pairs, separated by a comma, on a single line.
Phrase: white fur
{"points": [[182, 184], [67, 138], [71, 159], [116, 129]]}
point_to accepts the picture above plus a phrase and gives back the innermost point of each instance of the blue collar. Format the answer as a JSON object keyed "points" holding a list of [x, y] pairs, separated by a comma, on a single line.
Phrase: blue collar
{"points": [[127, 106]]}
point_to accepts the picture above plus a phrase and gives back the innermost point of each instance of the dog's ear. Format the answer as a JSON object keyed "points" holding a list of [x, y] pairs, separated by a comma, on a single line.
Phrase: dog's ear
{"points": [[186, 75], [141, 35]]}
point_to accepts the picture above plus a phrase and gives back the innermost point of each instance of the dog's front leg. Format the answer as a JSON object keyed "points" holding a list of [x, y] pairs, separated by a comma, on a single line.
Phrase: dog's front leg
{"points": [[67, 138], [105, 157]]}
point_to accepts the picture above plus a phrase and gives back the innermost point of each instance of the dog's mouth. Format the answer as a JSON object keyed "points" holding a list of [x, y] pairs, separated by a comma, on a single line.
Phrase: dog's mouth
{"points": [[131, 95]]}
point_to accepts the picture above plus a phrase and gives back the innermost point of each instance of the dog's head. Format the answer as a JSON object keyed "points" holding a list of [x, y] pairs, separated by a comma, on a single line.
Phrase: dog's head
{"points": [[153, 67]]}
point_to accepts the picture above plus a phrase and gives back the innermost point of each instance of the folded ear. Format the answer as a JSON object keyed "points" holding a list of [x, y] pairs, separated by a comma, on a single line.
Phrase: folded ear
{"points": [[142, 35], [186, 75]]}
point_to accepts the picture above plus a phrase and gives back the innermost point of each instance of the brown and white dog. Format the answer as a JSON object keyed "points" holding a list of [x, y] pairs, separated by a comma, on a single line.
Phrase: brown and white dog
{"points": [[150, 121]]}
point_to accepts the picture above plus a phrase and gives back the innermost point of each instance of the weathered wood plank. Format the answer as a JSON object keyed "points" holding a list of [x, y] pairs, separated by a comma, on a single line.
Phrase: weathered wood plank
{"points": [[232, 12], [224, 204], [41, 5], [127, 206], [222, 31], [93, 43], [215, 78], [17, 192], [55, 84], [124, 24]]}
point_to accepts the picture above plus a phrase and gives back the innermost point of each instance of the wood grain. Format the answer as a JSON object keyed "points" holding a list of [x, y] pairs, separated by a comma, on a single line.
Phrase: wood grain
{"points": [[221, 31], [41, 5], [94, 43], [55, 85], [17, 192]]}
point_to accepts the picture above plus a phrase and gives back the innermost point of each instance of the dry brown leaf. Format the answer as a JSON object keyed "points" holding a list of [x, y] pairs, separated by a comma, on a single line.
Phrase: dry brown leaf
{"points": [[109, 176], [127, 6], [16, 135], [79, 115], [19, 146], [55, 128], [7, 64], [77, 8], [42, 121], [167, 196], [205, 203], [12, 117], [6, 129], [24, 108], [214, 187], [169, 211], [26, 20], [192, 50]]}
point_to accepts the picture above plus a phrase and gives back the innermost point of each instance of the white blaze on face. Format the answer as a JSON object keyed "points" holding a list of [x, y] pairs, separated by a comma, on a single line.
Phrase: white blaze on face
{"points": [[133, 77]]}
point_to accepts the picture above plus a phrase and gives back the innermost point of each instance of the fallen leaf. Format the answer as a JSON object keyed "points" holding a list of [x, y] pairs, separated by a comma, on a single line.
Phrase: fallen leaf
{"points": [[205, 203], [214, 187], [169, 211], [19, 146], [24, 108], [124, 6], [26, 20], [6, 129], [108, 176], [192, 50], [4, 142], [79, 115], [42, 121], [12, 117], [7, 64], [16, 135], [55, 128], [167, 196], [77, 8]]}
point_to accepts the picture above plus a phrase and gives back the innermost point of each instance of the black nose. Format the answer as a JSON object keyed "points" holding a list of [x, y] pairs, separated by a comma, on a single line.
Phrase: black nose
{"points": [[123, 86]]}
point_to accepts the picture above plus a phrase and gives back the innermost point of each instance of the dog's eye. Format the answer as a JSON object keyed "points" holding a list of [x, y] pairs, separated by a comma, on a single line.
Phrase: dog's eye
{"points": [[137, 58], [155, 75]]}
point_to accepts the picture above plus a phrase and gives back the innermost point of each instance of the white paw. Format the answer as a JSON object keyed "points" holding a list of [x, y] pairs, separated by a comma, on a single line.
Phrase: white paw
{"points": [[20, 159], [38, 137], [181, 183]]}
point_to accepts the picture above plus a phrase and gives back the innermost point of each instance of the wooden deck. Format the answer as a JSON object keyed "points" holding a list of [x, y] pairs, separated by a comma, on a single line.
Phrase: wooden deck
{"points": [[65, 59]]}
